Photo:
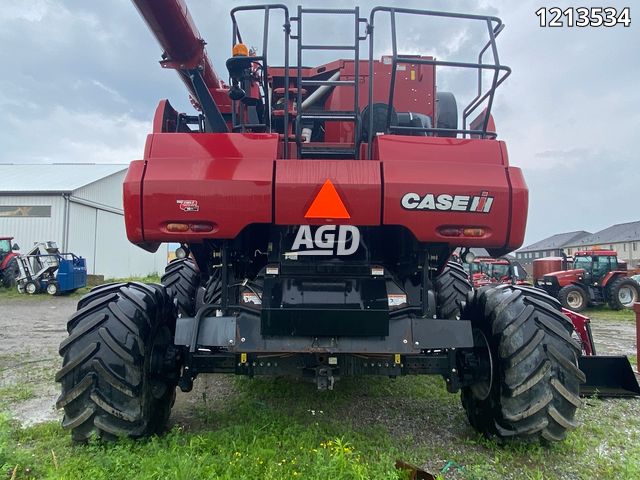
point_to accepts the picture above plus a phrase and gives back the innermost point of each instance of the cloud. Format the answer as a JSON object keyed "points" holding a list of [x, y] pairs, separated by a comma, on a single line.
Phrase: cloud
{"points": [[67, 136], [81, 81]]}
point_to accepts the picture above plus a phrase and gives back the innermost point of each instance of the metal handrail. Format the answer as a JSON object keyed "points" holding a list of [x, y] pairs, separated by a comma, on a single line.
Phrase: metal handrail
{"points": [[237, 38], [500, 72]]}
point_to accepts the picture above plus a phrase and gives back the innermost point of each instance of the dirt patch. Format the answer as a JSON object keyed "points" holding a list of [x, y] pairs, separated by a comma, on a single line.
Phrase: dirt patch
{"points": [[31, 330], [613, 337]]}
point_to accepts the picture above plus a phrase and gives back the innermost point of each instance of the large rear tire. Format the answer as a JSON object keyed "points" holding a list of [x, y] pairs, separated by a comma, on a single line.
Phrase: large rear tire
{"points": [[623, 293], [574, 298], [535, 384], [10, 273], [110, 380], [452, 288], [182, 278]]}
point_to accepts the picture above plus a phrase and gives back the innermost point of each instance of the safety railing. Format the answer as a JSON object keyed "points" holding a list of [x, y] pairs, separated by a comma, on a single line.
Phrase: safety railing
{"points": [[263, 59], [500, 72]]}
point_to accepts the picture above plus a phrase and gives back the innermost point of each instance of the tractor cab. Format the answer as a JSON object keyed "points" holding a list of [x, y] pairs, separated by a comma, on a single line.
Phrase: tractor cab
{"points": [[596, 264], [6, 247]]}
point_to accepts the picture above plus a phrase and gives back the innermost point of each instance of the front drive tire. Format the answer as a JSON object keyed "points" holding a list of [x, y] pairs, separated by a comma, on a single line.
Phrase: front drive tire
{"points": [[110, 386], [536, 379], [182, 278], [452, 287], [573, 298]]}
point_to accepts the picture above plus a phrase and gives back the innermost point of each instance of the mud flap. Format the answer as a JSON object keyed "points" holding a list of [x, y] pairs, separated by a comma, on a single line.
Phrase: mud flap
{"points": [[608, 376]]}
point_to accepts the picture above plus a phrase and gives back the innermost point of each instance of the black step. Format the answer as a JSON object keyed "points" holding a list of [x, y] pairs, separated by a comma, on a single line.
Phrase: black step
{"points": [[326, 152], [330, 115]]}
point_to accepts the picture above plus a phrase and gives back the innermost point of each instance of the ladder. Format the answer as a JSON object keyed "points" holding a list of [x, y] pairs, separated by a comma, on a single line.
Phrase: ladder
{"points": [[327, 150]]}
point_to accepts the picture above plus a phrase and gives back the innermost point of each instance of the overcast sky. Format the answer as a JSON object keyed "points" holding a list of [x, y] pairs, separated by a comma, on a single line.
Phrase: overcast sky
{"points": [[81, 80]]}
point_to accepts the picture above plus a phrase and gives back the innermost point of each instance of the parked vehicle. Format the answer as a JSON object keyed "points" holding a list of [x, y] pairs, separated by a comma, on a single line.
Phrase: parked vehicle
{"points": [[45, 269], [488, 271], [596, 278], [8, 263]]}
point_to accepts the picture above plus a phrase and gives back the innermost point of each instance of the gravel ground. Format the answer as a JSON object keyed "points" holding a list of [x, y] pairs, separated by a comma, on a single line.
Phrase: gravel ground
{"points": [[32, 328]]}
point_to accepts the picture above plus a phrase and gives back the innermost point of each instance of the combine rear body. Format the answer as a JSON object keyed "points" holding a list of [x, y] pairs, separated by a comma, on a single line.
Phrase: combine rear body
{"points": [[317, 209]]}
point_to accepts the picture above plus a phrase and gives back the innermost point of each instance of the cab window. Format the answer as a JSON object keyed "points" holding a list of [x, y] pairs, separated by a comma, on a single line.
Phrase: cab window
{"points": [[582, 262]]}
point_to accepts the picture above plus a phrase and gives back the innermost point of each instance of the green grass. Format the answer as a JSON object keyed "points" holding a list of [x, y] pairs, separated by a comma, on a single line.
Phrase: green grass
{"points": [[606, 313], [281, 429], [153, 278], [15, 393]]}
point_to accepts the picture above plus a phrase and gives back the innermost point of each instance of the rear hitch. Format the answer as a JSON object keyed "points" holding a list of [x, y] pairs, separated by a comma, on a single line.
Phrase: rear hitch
{"points": [[324, 378]]}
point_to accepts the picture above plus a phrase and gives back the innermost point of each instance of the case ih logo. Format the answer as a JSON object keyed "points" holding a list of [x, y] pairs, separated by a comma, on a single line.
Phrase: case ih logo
{"points": [[445, 202], [188, 205], [327, 240]]}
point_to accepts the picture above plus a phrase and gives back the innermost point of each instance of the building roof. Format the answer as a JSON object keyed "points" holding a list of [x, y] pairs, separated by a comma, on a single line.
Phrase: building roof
{"points": [[558, 240], [622, 232], [52, 177]]}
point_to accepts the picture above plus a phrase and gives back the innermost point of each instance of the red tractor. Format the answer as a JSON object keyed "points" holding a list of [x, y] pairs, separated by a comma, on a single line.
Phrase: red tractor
{"points": [[317, 209], [596, 278], [9, 271], [487, 271]]}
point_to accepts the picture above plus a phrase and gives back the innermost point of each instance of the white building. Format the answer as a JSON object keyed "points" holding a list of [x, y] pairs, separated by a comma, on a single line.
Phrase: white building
{"points": [[79, 206]]}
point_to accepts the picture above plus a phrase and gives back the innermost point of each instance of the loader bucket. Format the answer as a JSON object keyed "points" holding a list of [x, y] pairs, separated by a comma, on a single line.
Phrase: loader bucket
{"points": [[608, 376]]}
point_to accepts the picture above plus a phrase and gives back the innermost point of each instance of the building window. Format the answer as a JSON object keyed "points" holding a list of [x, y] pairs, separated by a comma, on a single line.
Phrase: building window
{"points": [[624, 247], [635, 246], [537, 254], [610, 247], [25, 211]]}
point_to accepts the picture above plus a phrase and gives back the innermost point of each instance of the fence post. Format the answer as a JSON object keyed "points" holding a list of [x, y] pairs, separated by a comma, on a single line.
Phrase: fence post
{"points": [[636, 308]]}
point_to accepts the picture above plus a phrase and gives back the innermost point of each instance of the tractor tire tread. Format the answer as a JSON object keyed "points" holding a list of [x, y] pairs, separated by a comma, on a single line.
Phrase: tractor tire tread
{"points": [[181, 279], [564, 293], [535, 391], [612, 292], [452, 288], [106, 389]]}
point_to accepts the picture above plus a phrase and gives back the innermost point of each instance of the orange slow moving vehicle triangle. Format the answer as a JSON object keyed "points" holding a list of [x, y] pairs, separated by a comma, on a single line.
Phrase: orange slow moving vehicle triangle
{"points": [[327, 204]]}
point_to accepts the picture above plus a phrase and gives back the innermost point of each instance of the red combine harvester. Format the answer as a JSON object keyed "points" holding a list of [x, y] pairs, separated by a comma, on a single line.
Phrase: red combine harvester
{"points": [[596, 278], [8, 262], [317, 209]]}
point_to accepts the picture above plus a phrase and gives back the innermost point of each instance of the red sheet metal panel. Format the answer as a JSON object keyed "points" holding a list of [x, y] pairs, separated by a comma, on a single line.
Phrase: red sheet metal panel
{"points": [[434, 184], [298, 183], [132, 199], [221, 179]]}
